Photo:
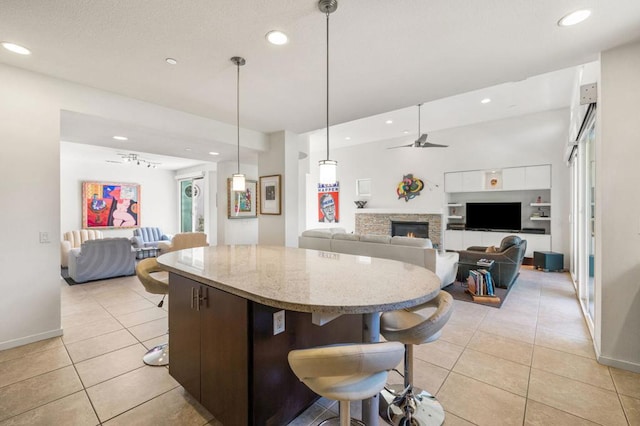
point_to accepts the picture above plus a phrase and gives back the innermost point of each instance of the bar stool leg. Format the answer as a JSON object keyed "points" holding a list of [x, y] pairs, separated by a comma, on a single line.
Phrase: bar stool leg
{"points": [[409, 406]]}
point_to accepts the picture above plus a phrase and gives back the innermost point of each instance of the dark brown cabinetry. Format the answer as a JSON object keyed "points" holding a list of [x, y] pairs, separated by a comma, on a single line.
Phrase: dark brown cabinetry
{"points": [[224, 353]]}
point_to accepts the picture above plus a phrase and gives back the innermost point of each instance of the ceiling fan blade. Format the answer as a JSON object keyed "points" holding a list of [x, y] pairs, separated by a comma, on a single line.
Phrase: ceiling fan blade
{"points": [[432, 145], [401, 146]]}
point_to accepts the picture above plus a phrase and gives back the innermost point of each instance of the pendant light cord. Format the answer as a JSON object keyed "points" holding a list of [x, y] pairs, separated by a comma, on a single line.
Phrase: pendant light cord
{"points": [[238, 113], [327, 85]]}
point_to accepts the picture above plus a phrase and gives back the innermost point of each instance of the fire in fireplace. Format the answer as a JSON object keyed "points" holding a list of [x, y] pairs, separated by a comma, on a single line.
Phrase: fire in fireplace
{"points": [[410, 229]]}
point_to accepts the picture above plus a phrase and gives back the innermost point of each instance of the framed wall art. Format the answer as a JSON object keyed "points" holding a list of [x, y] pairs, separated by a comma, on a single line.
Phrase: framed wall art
{"points": [[329, 202], [110, 205], [270, 196], [242, 204]]}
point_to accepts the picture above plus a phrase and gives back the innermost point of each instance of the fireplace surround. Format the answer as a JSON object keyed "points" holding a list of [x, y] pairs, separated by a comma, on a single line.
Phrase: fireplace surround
{"points": [[409, 229], [371, 222]]}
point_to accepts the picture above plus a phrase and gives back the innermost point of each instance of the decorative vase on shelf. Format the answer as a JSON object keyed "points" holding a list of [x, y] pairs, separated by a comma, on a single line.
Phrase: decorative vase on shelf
{"points": [[360, 204]]}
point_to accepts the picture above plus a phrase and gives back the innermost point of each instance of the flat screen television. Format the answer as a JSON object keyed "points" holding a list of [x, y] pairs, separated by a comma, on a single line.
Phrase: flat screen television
{"points": [[494, 216]]}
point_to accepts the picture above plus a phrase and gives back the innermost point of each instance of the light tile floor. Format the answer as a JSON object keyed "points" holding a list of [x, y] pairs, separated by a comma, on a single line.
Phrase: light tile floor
{"points": [[530, 362]]}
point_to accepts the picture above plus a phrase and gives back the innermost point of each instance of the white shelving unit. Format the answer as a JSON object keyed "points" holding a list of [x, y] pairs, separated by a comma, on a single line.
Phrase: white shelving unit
{"points": [[543, 209], [452, 208]]}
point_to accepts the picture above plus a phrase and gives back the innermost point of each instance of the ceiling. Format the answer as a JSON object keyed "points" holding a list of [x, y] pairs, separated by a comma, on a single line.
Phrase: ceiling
{"points": [[385, 55]]}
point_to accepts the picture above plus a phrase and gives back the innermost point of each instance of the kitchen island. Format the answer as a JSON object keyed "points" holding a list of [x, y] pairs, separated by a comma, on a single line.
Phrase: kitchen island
{"points": [[227, 348]]}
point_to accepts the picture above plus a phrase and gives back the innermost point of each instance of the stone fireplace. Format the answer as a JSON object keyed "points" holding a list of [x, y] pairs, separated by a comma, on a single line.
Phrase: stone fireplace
{"points": [[381, 223]]}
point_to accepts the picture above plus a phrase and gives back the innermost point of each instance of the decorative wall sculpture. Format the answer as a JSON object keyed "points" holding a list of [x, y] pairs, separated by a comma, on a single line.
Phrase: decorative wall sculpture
{"points": [[409, 188]]}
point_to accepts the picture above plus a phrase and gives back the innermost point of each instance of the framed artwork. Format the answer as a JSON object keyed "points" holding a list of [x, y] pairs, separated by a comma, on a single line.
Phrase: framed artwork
{"points": [[270, 198], [110, 205], [242, 204], [363, 187], [329, 203], [493, 180]]}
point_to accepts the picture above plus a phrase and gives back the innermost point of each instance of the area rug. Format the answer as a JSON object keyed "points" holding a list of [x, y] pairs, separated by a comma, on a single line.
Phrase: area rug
{"points": [[458, 291], [64, 272]]}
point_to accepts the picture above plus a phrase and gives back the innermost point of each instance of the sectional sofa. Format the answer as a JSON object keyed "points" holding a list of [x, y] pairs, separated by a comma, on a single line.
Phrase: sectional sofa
{"points": [[417, 251]]}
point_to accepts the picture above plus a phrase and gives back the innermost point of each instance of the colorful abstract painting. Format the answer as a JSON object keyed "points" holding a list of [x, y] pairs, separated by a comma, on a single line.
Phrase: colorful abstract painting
{"points": [[110, 205]]}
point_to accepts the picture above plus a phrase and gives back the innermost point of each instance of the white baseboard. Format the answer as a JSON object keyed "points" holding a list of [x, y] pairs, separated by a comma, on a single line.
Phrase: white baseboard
{"points": [[30, 339], [623, 365]]}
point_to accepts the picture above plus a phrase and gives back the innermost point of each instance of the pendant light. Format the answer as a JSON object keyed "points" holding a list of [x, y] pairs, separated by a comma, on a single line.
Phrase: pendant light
{"points": [[238, 179], [328, 168]]}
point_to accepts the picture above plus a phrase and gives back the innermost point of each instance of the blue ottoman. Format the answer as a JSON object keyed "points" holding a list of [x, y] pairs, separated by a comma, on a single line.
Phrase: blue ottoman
{"points": [[548, 261]]}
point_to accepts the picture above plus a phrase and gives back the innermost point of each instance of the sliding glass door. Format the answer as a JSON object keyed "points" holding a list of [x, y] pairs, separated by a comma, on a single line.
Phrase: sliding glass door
{"points": [[192, 218], [583, 235]]}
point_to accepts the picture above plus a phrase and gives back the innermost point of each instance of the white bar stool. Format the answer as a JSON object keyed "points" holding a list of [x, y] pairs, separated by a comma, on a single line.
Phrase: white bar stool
{"points": [[407, 405], [346, 372]]}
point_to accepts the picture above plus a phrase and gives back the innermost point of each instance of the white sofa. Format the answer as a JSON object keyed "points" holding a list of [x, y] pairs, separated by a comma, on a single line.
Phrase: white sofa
{"points": [[418, 251]]}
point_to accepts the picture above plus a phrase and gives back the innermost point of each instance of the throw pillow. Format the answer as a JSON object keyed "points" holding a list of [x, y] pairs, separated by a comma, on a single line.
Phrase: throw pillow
{"points": [[491, 249]]}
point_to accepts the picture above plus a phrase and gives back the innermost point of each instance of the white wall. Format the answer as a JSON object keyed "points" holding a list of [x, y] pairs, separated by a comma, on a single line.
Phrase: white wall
{"points": [[617, 208], [526, 140], [234, 231], [30, 107], [282, 159], [158, 195]]}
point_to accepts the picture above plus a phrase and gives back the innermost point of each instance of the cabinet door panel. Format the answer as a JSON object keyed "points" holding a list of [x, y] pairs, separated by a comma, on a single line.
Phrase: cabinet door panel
{"points": [[225, 357], [537, 242], [453, 182], [453, 240], [472, 238], [473, 181], [513, 178], [538, 177], [184, 334]]}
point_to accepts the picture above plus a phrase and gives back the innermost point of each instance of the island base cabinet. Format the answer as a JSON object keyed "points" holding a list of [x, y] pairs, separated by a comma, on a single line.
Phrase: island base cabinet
{"points": [[225, 354], [208, 329]]}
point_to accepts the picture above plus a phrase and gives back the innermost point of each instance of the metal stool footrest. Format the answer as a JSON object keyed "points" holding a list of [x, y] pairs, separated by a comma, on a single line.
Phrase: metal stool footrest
{"points": [[157, 356], [415, 407]]}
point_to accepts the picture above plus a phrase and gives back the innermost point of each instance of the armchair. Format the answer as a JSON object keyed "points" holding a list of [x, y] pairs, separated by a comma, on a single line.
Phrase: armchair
{"points": [[148, 237], [183, 241], [508, 258]]}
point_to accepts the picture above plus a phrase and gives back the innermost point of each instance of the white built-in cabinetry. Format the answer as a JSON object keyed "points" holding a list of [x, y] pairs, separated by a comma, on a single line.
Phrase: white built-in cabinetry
{"points": [[530, 185], [461, 239], [507, 179]]}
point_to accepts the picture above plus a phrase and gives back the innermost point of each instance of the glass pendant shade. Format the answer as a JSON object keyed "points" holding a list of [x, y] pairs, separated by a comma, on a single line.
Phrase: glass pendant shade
{"points": [[328, 172], [238, 183]]}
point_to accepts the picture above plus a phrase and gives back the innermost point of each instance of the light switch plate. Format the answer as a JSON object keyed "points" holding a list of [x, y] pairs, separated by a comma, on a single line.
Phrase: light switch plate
{"points": [[278, 322]]}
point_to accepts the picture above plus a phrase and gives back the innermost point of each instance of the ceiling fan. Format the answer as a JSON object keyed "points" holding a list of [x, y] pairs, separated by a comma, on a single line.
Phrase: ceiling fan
{"points": [[421, 142]]}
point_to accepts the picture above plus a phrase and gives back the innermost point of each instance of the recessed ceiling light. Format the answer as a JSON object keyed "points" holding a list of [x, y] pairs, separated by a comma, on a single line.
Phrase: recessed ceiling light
{"points": [[16, 48], [171, 61], [406, 132], [389, 122], [277, 37], [214, 153], [348, 138], [121, 138], [485, 101], [574, 18], [188, 149]]}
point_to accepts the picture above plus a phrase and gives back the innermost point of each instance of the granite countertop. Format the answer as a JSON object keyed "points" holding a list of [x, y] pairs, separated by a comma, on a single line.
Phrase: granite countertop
{"points": [[306, 280]]}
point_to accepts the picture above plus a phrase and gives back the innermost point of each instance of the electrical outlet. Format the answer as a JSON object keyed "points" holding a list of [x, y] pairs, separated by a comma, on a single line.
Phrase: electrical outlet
{"points": [[278, 322], [44, 237]]}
